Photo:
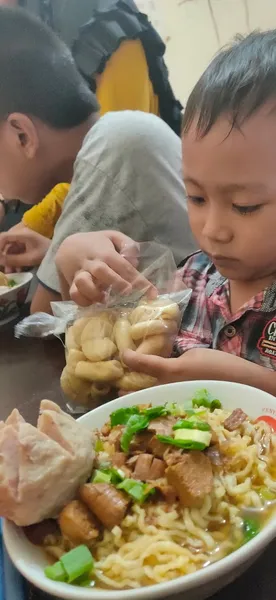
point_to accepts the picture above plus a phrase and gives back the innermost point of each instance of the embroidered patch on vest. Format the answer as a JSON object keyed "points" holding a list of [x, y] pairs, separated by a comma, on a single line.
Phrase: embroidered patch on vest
{"points": [[267, 342]]}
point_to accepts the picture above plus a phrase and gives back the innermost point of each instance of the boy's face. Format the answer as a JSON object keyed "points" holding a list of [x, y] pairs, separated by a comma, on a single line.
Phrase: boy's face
{"points": [[230, 177]]}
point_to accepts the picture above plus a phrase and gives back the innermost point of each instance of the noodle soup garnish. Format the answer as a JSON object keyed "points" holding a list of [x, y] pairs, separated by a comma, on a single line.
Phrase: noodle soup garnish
{"points": [[166, 496]]}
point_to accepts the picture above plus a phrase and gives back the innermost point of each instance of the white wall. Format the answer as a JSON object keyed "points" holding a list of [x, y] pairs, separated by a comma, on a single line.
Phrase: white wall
{"points": [[194, 30]]}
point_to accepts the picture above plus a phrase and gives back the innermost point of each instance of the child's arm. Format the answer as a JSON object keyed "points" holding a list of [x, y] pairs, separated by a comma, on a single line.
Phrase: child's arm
{"points": [[203, 363], [43, 217]]}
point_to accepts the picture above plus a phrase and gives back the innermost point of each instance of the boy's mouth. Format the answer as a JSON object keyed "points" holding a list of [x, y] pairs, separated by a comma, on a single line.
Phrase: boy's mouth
{"points": [[218, 259]]}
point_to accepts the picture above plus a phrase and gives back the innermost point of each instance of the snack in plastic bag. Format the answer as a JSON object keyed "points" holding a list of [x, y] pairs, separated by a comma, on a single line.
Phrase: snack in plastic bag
{"points": [[96, 337], [94, 346]]}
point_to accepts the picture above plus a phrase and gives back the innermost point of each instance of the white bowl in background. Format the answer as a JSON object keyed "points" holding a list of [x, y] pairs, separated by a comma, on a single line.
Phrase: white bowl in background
{"points": [[30, 560], [12, 298]]}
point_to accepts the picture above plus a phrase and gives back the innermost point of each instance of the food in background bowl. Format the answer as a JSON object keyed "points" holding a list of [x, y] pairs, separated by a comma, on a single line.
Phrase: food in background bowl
{"points": [[13, 292], [5, 282], [167, 493]]}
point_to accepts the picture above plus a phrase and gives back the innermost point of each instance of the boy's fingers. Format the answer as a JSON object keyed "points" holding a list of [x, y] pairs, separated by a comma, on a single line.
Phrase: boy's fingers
{"points": [[83, 291], [143, 363]]}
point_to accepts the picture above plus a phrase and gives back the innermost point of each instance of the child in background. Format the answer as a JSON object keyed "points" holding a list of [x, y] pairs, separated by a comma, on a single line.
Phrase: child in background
{"points": [[229, 157], [121, 56], [125, 167]]}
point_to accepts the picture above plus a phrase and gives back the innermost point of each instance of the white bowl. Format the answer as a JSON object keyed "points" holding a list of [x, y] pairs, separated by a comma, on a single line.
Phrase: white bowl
{"points": [[12, 298], [31, 561]]}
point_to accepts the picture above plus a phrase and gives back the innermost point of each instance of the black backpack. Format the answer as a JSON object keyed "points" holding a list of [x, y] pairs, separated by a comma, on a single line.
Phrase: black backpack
{"points": [[94, 30]]}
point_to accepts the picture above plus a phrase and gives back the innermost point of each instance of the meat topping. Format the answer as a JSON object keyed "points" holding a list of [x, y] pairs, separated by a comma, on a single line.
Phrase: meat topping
{"points": [[172, 455], [215, 455], [118, 459], [37, 533], [166, 490], [77, 524], [234, 421], [147, 467], [115, 437], [106, 502], [162, 425], [140, 442], [192, 478]]}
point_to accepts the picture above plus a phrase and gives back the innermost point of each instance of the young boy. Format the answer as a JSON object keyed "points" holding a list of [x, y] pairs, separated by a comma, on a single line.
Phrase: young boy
{"points": [[229, 157], [126, 166]]}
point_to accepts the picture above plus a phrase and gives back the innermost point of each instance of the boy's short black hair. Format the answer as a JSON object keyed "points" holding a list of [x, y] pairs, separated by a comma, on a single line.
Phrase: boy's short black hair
{"points": [[239, 81], [38, 76]]}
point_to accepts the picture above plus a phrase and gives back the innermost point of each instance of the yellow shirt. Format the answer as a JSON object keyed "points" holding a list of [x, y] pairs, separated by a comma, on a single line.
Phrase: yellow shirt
{"points": [[43, 216], [123, 85]]}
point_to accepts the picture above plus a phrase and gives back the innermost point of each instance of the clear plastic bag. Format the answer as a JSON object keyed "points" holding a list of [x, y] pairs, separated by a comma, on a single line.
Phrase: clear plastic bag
{"points": [[147, 321]]}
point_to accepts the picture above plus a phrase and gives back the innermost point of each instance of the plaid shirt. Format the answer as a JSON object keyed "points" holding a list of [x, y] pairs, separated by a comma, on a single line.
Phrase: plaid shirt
{"points": [[208, 323]]}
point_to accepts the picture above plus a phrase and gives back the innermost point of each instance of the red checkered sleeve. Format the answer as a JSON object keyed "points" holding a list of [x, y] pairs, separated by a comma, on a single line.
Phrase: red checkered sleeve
{"points": [[195, 329]]}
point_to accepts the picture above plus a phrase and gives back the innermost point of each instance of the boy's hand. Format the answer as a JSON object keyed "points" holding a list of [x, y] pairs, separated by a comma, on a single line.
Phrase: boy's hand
{"points": [[90, 263], [21, 247], [197, 363], [203, 363], [166, 370]]}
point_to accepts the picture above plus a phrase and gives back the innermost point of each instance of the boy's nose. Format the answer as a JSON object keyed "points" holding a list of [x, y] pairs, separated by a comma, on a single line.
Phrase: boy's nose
{"points": [[217, 230]]}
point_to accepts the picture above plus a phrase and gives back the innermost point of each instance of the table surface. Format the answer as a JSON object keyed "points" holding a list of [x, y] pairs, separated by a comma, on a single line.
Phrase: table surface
{"points": [[29, 371]]}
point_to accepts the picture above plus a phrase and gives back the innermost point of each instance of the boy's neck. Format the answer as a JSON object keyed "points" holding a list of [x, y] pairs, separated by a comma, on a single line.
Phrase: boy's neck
{"points": [[65, 148], [241, 292]]}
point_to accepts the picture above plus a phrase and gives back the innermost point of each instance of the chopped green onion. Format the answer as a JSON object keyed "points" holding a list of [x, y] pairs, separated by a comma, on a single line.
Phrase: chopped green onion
{"points": [[184, 444], [101, 476], [56, 572], [190, 412], [122, 415], [117, 475], [203, 398], [215, 404], [110, 475], [155, 411], [135, 423], [251, 528], [175, 409], [11, 283], [99, 446], [105, 465], [77, 562], [138, 490], [192, 424], [266, 494]]}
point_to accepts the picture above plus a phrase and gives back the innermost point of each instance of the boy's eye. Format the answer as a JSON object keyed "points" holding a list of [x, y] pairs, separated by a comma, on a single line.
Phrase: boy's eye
{"points": [[196, 199], [247, 210]]}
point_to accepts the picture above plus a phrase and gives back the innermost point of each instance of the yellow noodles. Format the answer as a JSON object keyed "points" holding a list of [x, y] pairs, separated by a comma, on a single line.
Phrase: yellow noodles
{"points": [[156, 543]]}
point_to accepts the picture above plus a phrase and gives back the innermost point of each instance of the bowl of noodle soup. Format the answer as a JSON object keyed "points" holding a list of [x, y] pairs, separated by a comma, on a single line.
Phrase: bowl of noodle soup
{"points": [[159, 552]]}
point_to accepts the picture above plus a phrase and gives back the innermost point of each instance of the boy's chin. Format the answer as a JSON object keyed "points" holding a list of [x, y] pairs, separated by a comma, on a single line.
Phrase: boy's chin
{"points": [[230, 272]]}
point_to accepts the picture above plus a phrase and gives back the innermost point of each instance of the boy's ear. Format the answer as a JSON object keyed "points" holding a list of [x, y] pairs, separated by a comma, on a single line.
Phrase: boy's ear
{"points": [[23, 133]]}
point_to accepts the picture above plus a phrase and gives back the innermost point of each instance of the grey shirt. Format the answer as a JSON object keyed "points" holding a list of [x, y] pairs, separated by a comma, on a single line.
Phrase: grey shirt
{"points": [[127, 177]]}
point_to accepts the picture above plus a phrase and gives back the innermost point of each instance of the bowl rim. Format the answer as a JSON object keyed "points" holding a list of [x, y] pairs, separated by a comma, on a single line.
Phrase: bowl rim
{"points": [[29, 276], [195, 580]]}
